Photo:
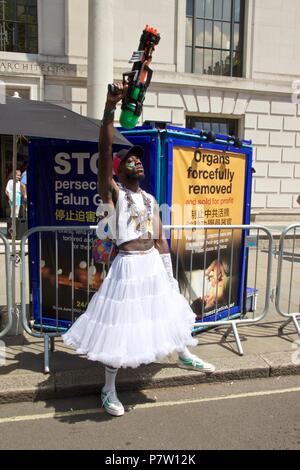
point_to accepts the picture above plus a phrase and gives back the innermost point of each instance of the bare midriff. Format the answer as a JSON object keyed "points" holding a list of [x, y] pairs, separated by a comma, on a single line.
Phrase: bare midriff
{"points": [[144, 243]]}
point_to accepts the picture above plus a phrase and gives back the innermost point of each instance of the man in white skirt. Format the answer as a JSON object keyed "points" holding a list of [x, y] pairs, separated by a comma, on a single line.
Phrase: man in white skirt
{"points": [[138, 315]]}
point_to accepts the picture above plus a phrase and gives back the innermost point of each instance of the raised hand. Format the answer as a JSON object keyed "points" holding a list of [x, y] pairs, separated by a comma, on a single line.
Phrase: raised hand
{"points": [[116, 92]]}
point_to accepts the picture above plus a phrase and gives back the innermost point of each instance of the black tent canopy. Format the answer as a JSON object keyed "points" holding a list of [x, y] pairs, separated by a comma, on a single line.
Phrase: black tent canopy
{"points": [[42, 119]]}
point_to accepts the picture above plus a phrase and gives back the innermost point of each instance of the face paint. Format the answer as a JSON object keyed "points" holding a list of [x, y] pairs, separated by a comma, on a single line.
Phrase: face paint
{"points": [[130, 165]]}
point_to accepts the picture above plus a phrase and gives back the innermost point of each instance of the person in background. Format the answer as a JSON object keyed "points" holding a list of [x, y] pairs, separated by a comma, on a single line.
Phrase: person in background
{"points": [[9, 193], [24, 190]]}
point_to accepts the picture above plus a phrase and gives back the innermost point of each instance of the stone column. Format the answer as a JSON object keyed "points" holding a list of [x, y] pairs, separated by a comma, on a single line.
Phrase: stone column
{"points": [[100, 55]]}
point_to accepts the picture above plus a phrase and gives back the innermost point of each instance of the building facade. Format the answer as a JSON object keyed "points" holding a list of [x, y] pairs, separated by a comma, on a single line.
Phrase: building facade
{"points": [[231, 66]]}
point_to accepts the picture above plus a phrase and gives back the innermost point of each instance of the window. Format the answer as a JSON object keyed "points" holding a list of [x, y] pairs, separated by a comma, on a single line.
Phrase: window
{"points": [[214, 37], [18, 26], [216, 125], [23, 92]]}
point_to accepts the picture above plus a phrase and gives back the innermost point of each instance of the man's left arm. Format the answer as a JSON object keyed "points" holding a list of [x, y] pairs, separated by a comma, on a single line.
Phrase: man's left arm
{"points": [[160, 241], [162, 246]]}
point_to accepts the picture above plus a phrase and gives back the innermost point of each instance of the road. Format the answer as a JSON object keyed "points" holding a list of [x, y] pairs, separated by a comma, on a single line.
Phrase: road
{"points": [[250, 414]]}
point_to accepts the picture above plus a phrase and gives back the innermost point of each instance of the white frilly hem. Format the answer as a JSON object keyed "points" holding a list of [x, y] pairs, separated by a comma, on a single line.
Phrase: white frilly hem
{"points": [[135, 318], [133, 362]]}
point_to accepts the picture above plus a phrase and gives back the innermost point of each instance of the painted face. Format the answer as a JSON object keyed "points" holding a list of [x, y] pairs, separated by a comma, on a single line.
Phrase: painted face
{"points": [[130, 166], [134, 168]]}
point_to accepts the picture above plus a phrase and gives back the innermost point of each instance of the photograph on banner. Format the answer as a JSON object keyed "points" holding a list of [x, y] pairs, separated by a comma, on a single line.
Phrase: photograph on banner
{"points": [[208, 185], [68, 281]]}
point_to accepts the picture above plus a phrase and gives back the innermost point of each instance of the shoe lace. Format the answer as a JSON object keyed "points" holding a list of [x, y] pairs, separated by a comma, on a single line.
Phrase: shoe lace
{"points": [[197, 362], [110, 396], [194, 362]]}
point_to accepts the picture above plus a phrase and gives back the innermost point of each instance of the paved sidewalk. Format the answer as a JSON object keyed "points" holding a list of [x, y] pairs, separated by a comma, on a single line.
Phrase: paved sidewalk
{"points": [[266, 353]]}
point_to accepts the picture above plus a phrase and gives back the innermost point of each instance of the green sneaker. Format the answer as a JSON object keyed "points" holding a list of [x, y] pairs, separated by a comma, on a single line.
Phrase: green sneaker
{"points": [[111, 403], [195, 363]]}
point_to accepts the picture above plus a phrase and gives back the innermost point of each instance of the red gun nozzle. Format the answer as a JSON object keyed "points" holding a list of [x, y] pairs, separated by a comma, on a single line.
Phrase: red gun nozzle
{"points": [[150, 29]]}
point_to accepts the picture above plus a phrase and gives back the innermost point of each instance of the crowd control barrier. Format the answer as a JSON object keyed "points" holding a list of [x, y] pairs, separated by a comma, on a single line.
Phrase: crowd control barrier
{"points": [[243, 279], [55, 327], [287, 299], [248, 250], [8, 294]]}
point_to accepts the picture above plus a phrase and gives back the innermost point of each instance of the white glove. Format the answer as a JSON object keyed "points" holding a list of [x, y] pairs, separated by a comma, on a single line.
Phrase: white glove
{"points": [[166, 259]]}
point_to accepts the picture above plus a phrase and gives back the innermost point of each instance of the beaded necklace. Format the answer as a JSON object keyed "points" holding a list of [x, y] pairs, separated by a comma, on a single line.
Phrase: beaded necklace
{"points": [[141, 217]]}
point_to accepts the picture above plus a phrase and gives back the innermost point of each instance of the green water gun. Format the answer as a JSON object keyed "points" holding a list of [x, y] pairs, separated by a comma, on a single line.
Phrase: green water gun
{"points": [[139, 78]]}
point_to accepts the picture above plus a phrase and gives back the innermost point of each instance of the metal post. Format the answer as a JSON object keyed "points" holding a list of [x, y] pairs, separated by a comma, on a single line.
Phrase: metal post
{"points": [[13, 227], [237, 339], [297, 326], [8, 286], [292, 317], [233, 328], [46, 354]]}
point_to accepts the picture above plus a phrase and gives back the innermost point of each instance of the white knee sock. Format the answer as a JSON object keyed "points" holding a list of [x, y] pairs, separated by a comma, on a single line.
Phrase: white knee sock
{"points": [[110, 378], [185, 354]]}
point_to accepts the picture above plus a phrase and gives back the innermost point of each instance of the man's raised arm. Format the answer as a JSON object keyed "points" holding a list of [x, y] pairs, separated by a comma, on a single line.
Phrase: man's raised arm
{"points": [[107, 187]]}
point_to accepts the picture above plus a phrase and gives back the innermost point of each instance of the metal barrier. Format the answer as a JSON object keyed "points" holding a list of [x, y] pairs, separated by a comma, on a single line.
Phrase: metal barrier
{"points": [[8, 275], [292, 295], [250, 236], [251, 239], [48, 334]]}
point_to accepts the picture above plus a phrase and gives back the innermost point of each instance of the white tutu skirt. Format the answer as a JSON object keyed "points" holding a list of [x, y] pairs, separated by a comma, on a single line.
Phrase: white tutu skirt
{"points": [[136, 317]]}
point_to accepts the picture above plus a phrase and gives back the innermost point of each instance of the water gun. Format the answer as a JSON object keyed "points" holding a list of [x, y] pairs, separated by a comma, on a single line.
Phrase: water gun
{"points": [[139, 78]]}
